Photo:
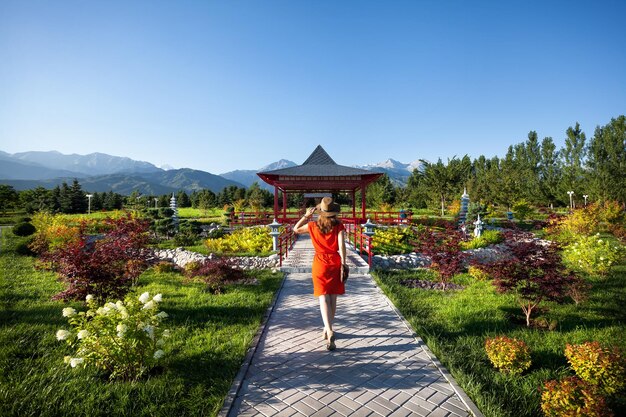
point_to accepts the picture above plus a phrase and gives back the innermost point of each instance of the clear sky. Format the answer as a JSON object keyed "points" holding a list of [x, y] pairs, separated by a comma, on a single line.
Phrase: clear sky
{"points": [[232, 84]]}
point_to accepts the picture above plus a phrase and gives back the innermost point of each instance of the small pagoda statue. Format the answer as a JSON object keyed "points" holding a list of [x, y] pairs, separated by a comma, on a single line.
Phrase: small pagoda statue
{"points": [[174, 208], [464, 206]]}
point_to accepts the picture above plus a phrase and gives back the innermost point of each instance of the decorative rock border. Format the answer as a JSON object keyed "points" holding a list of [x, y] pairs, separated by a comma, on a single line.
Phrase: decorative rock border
{"points": [[181, 257]]}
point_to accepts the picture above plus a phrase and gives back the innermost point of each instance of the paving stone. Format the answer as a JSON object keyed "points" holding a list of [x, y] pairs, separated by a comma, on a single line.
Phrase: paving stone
{"points": [[378, 369]]}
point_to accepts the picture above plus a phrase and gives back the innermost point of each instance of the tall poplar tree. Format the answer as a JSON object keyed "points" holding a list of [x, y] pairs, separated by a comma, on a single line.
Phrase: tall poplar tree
{"points": [[607, 161]]}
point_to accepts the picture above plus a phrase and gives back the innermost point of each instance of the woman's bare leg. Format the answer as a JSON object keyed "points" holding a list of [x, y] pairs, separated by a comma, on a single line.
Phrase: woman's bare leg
{"points": [[325, 309], [333, 308]]}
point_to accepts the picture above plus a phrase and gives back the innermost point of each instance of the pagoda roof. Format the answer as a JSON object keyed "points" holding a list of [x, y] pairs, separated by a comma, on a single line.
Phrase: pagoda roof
{"points": [[319, 173], [319, 164]]}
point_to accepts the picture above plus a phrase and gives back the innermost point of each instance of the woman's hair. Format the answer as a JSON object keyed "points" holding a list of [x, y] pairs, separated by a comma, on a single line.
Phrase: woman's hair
{"points": [[326, 224]]}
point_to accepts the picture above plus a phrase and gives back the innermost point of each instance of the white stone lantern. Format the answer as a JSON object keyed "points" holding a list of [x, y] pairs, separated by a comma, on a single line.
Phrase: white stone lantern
{"points": [[478, 227], [274, 233], [369, 228]]}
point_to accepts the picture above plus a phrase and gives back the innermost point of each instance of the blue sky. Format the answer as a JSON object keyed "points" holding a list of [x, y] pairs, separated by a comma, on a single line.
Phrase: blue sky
{"points": [[224, 85]]}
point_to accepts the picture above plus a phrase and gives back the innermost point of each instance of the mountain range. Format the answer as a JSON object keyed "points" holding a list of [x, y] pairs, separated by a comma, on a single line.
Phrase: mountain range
{"points": [[98, 172]]}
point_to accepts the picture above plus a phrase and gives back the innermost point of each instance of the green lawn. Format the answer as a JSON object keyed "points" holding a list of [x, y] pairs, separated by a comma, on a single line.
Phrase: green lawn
{"points": [[210, 336], [455, 324]]}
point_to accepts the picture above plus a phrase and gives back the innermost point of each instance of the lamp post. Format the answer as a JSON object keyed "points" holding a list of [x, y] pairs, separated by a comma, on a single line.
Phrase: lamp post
{"points": [[571, 200], [89, 196], [585, 197]]}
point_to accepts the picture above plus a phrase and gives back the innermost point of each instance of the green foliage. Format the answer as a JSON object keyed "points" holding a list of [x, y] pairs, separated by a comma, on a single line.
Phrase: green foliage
{"points": [[248, 240], [600, 366], [592, 254], [488, 237], [508, 354], [164, 267], [124, 339], [585, 221], [478, 274], [23, 229], [393, 240], [572, 397], [522, 210]]}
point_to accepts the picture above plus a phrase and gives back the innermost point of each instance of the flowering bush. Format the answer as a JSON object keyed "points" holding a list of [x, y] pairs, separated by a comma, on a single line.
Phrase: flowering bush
{"points": [[249, 240], [572, 397], [584, 221], [600, 366], [164, 267], [592, 254], [123, 339], [477, 273], [508, 354]]}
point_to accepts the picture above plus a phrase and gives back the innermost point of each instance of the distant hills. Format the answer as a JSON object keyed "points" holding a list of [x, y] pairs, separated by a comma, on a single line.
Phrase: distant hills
{"points": [[98, 172]]}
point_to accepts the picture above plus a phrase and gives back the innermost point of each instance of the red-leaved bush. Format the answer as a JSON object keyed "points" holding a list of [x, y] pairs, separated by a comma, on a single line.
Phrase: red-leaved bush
{"points": [[533, 271], [104, 266], [444, 249], [216, 273]]}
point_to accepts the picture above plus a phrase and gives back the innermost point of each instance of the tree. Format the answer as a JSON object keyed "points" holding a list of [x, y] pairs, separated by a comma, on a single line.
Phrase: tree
{"points": [[534, 272], [549, 172], [381, 192], [8, 197], [441, 180], [573, 159], [78, 199], [607, 161], [182, 199]]}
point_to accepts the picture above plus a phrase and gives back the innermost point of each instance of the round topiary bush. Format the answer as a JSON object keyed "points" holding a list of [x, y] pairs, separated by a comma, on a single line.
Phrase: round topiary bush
{"points": [[23, 248], [23, 229]]}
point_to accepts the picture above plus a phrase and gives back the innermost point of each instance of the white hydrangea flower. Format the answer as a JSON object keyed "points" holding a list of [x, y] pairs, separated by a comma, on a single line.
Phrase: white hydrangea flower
{"points": [[63, 334], [74, 362], [150, 330], [82, 334], [159, 354], [121, 330], [111, 306], [124, 312], [89, 298], [160, 342], [144, 297], [149, 305], [100, 311], [119, 304], [69, 312], [162, 315], [158, 298], [66, 359], [166, 333]]}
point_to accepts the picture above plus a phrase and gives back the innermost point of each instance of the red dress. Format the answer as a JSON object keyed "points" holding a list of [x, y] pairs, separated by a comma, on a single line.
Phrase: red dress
{"points": [[327, 262]]}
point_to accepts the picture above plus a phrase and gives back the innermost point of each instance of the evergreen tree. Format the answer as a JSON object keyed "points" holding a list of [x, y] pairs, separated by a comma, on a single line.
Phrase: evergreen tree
{"points": [[78, 198], [607, 161], [8, 197], [549, 172], [182, 199], [573, 160], [65, 199], [441, 180]]}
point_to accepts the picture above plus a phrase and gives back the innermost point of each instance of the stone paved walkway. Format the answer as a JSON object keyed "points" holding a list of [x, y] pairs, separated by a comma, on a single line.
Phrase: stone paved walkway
{"points": [[378, 369]]}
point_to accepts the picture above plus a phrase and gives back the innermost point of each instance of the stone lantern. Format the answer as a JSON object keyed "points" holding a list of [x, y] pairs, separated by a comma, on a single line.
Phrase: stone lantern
{"points": [[478, 229], [274, 232], [369, 228]]}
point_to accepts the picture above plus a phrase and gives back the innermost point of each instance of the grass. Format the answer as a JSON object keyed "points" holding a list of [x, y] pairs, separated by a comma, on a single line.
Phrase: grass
{"points": [[210, 336], [455, 325]]}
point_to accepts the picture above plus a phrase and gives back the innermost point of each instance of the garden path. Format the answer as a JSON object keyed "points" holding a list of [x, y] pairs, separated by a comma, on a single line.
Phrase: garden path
{"points": [[380, 368]]}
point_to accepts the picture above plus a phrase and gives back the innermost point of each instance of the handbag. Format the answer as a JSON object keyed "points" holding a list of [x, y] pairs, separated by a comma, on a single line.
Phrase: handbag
{"points": [[345, 273]]}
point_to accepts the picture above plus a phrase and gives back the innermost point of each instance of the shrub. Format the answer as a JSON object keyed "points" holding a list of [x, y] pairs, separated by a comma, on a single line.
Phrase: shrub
{"points": [[105, 267], [478, 274], [164, 267], [522, 210], [23, 229], [392, 240], [533, 272], [592, 254], [612, 213], [216, 273], [249, 240], [444, 251], [578, 291], [600, 366], [23, 248], [584, 221], [572, 397], [488, 237], [508, 355], [123, 339]]}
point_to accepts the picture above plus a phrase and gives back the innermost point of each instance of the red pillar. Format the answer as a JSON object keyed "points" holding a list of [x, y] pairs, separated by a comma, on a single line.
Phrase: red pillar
{"points": [[275, 202], [353, 204], [363, 201], [284, 204]]}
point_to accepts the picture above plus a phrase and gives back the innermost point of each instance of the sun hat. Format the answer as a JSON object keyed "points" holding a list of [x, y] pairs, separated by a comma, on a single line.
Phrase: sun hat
{"points": [[328, 208]]}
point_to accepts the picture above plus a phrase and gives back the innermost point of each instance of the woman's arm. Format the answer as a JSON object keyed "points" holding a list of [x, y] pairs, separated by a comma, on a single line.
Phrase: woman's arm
{"points": [[342, 247], [302, 226]]}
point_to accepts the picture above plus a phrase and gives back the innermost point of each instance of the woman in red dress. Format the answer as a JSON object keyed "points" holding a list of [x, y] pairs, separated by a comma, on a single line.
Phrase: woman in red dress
{"points": [[327, 235]]}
